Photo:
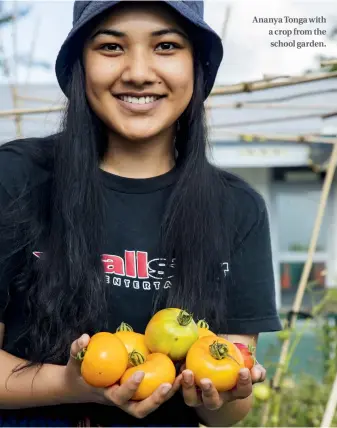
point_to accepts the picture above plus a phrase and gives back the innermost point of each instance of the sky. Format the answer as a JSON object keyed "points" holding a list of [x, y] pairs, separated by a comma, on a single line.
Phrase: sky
{"points": [[248, 54]]}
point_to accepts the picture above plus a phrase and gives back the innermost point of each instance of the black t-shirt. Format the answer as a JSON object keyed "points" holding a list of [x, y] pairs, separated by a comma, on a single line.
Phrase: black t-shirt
{"points": [[136, 271]]}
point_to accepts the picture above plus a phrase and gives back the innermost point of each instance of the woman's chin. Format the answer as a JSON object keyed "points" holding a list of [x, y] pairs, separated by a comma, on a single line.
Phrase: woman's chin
{"points": [[139, 134]]}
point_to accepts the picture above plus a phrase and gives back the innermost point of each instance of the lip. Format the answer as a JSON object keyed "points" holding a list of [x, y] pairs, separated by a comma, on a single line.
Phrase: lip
{"points": [[138, 94], [139, 107]]}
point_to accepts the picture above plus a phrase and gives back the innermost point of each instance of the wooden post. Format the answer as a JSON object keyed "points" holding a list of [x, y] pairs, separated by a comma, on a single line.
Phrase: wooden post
{"points": [[304, 277], [15, 71], [331, 406], [258, 85]]}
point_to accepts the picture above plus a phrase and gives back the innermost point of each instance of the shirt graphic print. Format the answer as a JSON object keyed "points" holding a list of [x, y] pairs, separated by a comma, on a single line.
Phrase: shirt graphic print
{"points": [[135, 270]]}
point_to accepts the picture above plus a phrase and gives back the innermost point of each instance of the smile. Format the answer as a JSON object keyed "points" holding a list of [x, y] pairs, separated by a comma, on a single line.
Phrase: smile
{"points": [[139, 104], [139, 100]]}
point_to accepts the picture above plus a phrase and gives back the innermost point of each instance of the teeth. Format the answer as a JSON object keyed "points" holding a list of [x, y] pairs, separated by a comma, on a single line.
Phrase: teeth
{"points": [[138, 100]]}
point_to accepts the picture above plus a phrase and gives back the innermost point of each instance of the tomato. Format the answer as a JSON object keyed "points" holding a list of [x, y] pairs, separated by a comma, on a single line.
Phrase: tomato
{"points": [[203, 329], [101, 335], [104, 360], [158, 369], [288, 383], [261, 391], [284, 334], [171, 332], [216, 359], [203, 332], [135, 345], [247, 353]]}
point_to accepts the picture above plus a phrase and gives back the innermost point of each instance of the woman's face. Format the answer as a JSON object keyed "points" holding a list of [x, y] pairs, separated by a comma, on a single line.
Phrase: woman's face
{"points": [[139, 70]]}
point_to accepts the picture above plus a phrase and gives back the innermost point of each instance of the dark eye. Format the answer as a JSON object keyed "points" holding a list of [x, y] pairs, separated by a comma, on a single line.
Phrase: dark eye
{"points": [[166, 46], [111, 47]]}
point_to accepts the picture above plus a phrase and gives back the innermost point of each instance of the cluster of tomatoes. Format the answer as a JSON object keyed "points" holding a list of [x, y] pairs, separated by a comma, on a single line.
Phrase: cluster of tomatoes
{"points": [[171, 336]]}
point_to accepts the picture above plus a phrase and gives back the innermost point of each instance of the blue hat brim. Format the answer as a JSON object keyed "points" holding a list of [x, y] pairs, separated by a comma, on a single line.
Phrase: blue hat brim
{"points": [[209, 43]]}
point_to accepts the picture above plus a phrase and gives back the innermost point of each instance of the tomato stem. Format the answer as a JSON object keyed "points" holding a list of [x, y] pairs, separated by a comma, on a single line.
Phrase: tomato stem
{"points": [[203, 324], [80, 355], [251, 349], [124, 327], [136, 358], [219, 351], [184, 318]]}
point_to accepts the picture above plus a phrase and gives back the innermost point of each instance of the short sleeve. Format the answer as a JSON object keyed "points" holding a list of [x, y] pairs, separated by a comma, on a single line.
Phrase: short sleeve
{"points": [[251, 298]]}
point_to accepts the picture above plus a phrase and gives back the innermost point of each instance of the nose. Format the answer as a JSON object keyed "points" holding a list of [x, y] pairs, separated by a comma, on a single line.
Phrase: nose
{"points": [[138, 69]]}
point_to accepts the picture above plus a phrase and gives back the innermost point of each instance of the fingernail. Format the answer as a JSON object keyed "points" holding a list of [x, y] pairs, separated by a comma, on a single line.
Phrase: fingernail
{"points": [[81, 340], [165, 389], [188, 378], [244, 374], [206, 385], [138, 376]]}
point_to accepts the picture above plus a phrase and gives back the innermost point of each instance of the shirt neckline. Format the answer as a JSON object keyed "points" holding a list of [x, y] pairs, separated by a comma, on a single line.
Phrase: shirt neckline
{"points": [[139, 185]]}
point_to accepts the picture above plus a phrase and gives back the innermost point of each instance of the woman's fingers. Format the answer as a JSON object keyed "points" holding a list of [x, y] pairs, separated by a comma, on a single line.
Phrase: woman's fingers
{"points": [[76, 347], [120, 395], [210, 396], [258, 373], [244, 386], [190, 393], [147, 406], [79, 344]]}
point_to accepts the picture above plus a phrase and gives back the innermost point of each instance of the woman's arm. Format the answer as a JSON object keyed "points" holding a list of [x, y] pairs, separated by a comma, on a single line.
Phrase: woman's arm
{"points": [[2, 334], [30, 388]]}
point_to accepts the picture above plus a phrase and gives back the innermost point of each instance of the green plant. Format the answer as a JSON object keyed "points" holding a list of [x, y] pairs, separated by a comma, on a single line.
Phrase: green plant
{"points": [[302, 401], [302, 398]]}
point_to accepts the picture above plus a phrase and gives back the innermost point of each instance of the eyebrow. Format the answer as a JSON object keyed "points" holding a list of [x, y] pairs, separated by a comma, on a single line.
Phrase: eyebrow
{"points": [[115, 33]]}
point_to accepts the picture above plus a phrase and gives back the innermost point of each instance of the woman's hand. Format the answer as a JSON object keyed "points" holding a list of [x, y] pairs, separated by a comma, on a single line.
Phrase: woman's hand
{"points": [[120, 396], [210, 398]]}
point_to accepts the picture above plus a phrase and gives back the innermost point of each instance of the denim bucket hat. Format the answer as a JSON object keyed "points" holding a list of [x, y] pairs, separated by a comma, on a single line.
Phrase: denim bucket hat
{"points": [[209, 43]]}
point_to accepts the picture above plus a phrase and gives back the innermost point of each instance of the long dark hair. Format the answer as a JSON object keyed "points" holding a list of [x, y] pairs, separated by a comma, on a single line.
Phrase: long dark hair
{"points": [[65, 292]]}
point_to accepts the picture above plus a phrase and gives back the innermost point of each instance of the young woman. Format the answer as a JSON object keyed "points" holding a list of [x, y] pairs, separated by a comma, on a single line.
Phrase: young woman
{"points": [[121, 214]]}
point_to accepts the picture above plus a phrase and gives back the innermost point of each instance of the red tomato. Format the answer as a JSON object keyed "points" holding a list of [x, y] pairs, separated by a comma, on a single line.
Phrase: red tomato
{"points": [[248, 354]]}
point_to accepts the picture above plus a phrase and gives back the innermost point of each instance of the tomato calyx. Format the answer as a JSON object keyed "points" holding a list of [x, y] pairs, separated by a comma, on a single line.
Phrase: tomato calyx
{"points": [[251, 348], [184, 318], [203, 324], [80, 355], [124, 327], [219, 351], [136, 358]]}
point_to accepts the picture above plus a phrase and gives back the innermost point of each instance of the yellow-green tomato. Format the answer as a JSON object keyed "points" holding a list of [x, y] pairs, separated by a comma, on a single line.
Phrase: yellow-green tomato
{"points": [[261, 392], [172, 332]]}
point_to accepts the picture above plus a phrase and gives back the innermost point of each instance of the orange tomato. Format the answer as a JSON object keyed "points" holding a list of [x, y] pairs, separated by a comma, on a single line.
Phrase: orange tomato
{"points": [[105, 360], [158, 369], [217, 359], [171, 331], [135, 345], [100, 335], [203, 332]]}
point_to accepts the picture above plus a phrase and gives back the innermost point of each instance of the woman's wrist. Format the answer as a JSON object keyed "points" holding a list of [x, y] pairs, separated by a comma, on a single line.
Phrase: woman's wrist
{"points": [[49, 386], [70, 390], [60, 389]]}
